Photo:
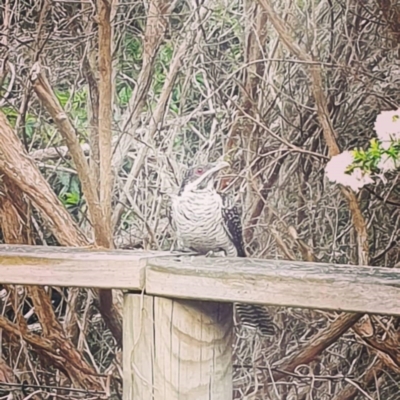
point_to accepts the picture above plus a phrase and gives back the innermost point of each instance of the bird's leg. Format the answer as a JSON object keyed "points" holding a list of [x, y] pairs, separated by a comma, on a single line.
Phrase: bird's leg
{"points": [[213, 253], [182, 250], [179, 250]]}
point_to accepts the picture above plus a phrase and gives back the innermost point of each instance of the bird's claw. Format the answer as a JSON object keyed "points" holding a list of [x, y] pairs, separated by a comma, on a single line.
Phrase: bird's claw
{"points": [[183, 252]]}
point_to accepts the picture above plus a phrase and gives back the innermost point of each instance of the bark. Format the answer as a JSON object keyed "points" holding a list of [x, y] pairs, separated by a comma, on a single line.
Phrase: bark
{"points": [[102, 235], [329, 134], [18, 167], [390, 346], [391, 13], [14, 219], [49, 100], [105, 119], [256, 36], [88, 69], [317, 344], [105, 134], [57, 350]]}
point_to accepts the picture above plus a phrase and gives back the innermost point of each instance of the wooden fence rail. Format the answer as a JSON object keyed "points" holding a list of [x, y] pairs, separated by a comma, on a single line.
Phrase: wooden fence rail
{"points": [[178, 309]]}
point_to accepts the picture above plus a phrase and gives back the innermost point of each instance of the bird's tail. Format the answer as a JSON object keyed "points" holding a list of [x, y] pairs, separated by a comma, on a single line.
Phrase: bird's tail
{"points": [[255, 317]]}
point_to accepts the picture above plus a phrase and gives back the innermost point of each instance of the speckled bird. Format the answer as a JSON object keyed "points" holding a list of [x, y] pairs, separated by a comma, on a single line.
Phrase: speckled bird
{"points": [[207, 223]]}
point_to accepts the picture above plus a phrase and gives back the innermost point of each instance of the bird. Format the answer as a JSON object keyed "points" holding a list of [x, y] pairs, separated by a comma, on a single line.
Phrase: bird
{"points": [[208, 223]]}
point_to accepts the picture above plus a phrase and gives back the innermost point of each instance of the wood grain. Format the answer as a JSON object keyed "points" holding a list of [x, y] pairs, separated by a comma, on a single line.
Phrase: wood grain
{"points": [[284, 283], [76, 267], [177, 349]]}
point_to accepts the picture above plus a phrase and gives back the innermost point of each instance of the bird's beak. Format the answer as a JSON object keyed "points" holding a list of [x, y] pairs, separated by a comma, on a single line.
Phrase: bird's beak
{"points": [[208, 175], [213, 171], [220, 165]]}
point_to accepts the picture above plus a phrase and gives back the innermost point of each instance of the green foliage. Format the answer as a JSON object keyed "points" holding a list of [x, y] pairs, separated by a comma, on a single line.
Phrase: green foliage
{"points": [[62, 97], [133, 49], [162, 66], [368, 160], [365, 159], [69, 190], [129, 66], [75, 104], [124, 94], [200, 79], [71, 199], [30, 124], [178, 141], [175, 99], [11, 115], [226, 22], [30, 120]]}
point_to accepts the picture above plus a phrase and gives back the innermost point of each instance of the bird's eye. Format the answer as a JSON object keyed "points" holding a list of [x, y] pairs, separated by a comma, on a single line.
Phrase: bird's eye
{"points": [[199, 170]]}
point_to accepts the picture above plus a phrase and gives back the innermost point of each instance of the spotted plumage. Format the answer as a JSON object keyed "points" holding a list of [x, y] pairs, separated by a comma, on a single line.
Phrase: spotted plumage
{"points": [[202, 218], [233, 224], [207, 222]]}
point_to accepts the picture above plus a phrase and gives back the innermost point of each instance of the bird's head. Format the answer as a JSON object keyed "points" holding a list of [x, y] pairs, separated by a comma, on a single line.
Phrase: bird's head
{"points": [[201, 177]]}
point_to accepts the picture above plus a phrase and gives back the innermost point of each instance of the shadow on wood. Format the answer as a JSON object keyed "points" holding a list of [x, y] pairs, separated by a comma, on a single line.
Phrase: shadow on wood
{"points": [[177, 349]]}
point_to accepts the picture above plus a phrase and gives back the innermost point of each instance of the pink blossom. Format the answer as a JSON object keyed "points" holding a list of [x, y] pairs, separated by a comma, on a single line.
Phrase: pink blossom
{"points": [[387, 127], [336, 171]]}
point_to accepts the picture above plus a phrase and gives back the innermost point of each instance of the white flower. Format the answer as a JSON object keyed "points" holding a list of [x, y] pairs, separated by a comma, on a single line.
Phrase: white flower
{"points": [[387, 163], [338, 165], [336, 172], [387, 127]]}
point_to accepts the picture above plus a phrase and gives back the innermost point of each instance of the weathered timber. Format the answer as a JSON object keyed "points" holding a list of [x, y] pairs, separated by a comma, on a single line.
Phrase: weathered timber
{"points": [[284, 283], [177, 349], [178, 334], [78, 267]]}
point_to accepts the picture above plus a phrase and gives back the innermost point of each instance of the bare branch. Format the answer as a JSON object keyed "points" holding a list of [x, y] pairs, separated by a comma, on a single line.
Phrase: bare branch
{"points": [[105, 119], [156, 25], [49, 100], [158, 115], [319, 343], [284, 32], [20, 169]]}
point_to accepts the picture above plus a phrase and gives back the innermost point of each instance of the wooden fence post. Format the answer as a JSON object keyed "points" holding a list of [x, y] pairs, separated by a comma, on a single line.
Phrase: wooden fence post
{"points": [[177, 349]]}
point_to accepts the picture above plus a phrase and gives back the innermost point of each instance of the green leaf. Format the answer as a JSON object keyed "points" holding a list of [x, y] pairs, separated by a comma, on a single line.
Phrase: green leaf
{"points": [[62, 97], [71, 199], [124, 95]]}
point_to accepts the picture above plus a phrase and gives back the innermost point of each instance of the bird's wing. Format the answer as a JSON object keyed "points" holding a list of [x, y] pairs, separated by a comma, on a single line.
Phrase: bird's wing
{"points": [[233, 224], [255, 316], [249, 315]]}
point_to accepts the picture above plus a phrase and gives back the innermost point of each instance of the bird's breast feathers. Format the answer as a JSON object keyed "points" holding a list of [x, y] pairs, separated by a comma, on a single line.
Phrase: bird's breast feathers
{"points": [[193, 210], [198, 219]]}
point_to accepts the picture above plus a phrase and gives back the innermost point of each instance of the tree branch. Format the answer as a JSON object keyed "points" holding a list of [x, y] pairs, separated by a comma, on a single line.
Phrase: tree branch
{"points": [[20, 169], [317, 344], [284, 32], [105, 119], [49, 100], [159, 112], [156, 26]]}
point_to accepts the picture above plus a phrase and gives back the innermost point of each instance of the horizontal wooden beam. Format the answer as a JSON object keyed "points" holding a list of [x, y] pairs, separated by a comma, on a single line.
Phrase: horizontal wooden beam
{"points": [[284, 283], [78, 267]]}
